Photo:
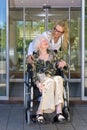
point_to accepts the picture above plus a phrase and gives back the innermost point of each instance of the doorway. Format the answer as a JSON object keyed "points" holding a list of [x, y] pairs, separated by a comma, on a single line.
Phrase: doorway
{"points": [[25, 25]]}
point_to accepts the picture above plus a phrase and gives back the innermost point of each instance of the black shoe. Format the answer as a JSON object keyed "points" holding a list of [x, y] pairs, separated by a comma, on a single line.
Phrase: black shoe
{"points": [[58, 119], [40, 119]]}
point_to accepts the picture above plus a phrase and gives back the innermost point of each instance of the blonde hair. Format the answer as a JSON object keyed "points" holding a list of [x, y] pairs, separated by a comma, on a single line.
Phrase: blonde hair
{"points": [[63, 24]]}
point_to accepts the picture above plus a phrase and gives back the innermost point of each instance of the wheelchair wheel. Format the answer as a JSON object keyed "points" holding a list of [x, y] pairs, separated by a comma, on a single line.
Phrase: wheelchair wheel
{"points": [[66, 113], [66, 101], [67, 93], [27, 116]]}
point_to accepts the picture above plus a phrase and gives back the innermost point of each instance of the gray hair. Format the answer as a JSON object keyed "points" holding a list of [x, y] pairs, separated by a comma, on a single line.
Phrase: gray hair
{"points": [[37, 41]]}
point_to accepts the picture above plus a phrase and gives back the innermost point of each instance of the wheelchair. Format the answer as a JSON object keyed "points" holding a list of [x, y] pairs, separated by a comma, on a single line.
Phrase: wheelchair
{"points": [[31, 98]]}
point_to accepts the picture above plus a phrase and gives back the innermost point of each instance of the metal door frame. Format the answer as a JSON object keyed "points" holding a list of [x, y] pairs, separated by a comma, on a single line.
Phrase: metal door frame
{"points": [[6, 97]]}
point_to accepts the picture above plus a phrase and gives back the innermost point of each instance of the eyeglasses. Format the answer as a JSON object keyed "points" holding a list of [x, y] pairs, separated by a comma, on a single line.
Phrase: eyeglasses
{"points": [[58, 31]]}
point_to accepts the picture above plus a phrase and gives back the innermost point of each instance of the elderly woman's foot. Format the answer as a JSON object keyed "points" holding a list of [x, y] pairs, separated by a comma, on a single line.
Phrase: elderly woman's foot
{"points": [[40, 119], [59, 118]]}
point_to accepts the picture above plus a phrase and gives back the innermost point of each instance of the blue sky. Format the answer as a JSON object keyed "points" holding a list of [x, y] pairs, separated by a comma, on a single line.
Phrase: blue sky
{"points": [[2, 12]]}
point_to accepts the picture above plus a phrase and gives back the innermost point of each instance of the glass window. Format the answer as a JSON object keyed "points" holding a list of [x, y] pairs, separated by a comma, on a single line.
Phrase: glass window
{"points": [[75, 42], [33, 27], [2, 48]]}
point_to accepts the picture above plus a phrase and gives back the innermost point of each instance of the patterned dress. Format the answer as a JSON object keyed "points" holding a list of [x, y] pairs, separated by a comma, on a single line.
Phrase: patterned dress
{"points": [[44, 72]]}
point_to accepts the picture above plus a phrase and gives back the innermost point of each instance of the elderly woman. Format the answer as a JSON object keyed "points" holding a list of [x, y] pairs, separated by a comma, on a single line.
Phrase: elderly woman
{"points": [[49, 85]]}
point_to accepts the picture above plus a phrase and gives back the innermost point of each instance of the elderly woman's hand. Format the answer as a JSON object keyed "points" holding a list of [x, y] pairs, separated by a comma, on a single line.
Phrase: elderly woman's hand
{"points": [[30, 59], [62, 64]]}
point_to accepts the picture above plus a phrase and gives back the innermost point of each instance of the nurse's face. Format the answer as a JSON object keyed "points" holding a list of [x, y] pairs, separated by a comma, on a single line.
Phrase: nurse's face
{"points": [[58, 31]]}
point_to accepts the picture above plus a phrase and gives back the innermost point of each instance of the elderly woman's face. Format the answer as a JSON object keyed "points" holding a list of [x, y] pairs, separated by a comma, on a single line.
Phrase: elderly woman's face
{"points": [[44, 43]]}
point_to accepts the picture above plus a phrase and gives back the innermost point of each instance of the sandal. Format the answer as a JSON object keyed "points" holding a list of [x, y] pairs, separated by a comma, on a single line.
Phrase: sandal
{"points": [[59, 118], [40, 119]]}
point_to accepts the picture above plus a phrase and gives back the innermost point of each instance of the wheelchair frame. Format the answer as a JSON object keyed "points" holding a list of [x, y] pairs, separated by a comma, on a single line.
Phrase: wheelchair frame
{"points": [[29, 95]]}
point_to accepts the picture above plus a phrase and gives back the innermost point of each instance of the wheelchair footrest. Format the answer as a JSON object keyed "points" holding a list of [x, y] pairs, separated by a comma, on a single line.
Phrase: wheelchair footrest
{"points": [[66, 113]]}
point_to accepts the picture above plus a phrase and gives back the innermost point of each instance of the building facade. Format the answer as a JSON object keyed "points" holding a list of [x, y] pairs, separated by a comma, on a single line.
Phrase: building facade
{"points": [[20, 24]]}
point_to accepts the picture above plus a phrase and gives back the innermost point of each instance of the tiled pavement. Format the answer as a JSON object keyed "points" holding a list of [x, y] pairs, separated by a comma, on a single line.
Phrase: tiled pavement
{"points": [[12, 117]]}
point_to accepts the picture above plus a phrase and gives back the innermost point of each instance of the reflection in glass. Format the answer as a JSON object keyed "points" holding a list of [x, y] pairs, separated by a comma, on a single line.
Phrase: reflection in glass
{"points": [[75, 42], [16, 53]]}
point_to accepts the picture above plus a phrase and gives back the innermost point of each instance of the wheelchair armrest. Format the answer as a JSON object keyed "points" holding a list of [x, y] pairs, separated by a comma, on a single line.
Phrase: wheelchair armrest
{"points": [[29, 67], [29, 70], [61, 71]]}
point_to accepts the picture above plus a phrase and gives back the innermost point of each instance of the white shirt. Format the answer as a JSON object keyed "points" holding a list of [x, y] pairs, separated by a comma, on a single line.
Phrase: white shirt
{"points": [[52, 45], [31, 48]]}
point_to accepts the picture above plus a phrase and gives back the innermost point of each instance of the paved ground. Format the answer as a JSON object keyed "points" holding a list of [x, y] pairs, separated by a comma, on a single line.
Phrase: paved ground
{"points": [[12, 117]]}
